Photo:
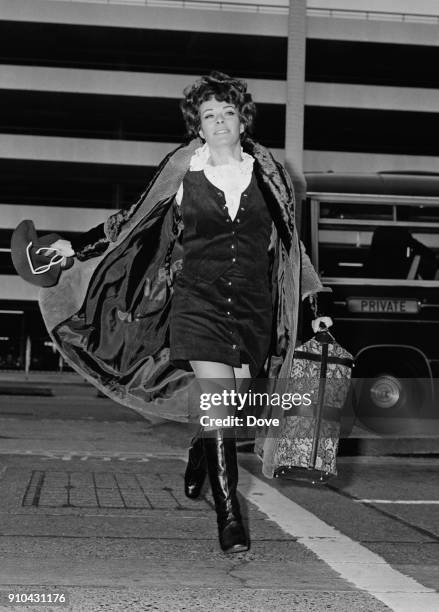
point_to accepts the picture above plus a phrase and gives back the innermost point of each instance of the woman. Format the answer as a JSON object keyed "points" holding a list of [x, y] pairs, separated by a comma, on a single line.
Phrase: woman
{"points": [[202, 275]]}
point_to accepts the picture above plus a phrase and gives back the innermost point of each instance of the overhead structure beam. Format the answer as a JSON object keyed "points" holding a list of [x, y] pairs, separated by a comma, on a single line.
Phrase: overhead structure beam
{"points": [[296, 99]]}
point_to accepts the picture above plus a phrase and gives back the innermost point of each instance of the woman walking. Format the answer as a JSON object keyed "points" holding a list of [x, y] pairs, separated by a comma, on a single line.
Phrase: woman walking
{"points": [[203, 276]]}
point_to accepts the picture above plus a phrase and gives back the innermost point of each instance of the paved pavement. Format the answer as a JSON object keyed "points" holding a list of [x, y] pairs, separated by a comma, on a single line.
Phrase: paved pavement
{"points": [[120, 535], [94, 507]]}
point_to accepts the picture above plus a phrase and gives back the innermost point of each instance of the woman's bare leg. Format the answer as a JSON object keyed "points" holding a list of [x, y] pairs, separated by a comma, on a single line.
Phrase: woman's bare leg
{"points": [[242, 378], [215, 378], [245, 433], [212, 369]]}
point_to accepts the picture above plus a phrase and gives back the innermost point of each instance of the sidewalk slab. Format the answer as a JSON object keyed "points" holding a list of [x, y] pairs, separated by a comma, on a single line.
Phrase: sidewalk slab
{"points": [[84, 438]]}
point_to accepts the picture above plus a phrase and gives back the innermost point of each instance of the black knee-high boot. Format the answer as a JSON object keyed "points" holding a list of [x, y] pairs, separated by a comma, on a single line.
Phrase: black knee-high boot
{"points": [[196, 470], [222, 467]]}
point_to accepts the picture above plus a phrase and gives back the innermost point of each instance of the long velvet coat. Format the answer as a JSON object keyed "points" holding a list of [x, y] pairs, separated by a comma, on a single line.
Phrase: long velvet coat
{"points": [[109, 313]]}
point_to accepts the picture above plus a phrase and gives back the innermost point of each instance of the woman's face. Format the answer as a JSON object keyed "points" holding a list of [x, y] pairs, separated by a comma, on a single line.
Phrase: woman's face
{"points": [[220, 123]]}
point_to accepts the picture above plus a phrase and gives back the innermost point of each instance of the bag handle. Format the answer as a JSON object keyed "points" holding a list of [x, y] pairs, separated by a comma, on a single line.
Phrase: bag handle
{"points": [[323, 335]]}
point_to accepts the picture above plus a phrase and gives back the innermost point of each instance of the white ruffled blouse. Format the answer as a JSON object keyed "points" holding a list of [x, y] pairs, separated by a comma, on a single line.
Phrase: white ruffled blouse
{"points": [[232, 178]]}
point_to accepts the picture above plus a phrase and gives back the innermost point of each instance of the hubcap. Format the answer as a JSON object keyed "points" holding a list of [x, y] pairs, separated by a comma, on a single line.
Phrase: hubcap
{"points": [[386, 391]]}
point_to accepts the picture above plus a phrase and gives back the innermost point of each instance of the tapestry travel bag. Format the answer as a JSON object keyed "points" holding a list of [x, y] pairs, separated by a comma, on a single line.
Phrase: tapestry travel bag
{"points": [[307, 442]]}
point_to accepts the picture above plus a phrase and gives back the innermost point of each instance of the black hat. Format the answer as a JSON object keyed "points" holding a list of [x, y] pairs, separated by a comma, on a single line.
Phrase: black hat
{"points": [[33, 258]]}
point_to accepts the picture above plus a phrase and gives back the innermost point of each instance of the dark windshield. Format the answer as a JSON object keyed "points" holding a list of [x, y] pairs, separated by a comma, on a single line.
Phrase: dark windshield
{"points": [[387, 241]]}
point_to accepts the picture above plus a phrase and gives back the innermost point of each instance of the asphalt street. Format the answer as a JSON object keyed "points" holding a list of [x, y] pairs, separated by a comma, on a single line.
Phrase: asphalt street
{"points": [[92, 505]]}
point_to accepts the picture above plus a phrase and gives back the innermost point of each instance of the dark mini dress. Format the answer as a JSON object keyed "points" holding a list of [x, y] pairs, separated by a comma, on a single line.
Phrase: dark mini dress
{"points": [[222, 304]]}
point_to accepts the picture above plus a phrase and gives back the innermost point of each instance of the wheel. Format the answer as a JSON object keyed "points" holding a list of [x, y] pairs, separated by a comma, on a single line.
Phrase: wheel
{"points": [[390, 399]]}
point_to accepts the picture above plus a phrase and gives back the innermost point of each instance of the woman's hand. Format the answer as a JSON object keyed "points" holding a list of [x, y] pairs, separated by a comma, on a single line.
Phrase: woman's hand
{"points": [[324, 321], [63, 247]]}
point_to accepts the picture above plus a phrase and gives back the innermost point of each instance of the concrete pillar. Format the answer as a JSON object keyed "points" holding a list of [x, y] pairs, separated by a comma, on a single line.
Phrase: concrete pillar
{"points": [[296, 99]]}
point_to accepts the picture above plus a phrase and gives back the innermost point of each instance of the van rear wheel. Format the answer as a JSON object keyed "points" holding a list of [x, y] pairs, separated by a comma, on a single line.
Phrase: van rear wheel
{"points": [[390, 399]]}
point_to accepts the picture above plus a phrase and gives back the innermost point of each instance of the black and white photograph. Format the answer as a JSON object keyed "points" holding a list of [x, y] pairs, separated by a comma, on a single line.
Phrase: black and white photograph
{"points": [[219, 305]]}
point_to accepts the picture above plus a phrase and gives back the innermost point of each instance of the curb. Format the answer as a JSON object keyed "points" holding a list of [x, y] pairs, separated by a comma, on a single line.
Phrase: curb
{"points": [[26, 390]]}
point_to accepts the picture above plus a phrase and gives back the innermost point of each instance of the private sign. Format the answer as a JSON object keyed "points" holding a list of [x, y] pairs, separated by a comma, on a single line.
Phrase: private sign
{"points": [[380, 305]]}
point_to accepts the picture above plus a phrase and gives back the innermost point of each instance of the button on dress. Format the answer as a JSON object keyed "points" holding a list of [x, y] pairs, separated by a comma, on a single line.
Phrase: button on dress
{"points": [[222, 304]]}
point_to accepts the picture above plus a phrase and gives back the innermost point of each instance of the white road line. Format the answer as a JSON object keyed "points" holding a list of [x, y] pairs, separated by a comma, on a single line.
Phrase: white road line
{"points": [[386, 460], [409, 502], [363, 568]]}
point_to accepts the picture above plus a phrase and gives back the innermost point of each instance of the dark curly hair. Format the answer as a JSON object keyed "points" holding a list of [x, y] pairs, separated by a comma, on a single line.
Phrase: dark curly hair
{"points": [[224, 89]]}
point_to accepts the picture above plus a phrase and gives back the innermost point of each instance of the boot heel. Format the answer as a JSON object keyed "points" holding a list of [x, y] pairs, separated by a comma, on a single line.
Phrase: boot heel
{"points": [[232, 537]]}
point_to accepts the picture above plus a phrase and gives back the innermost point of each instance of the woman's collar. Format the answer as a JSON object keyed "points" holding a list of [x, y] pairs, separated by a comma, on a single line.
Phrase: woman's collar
{"points": [[201, 159]]}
